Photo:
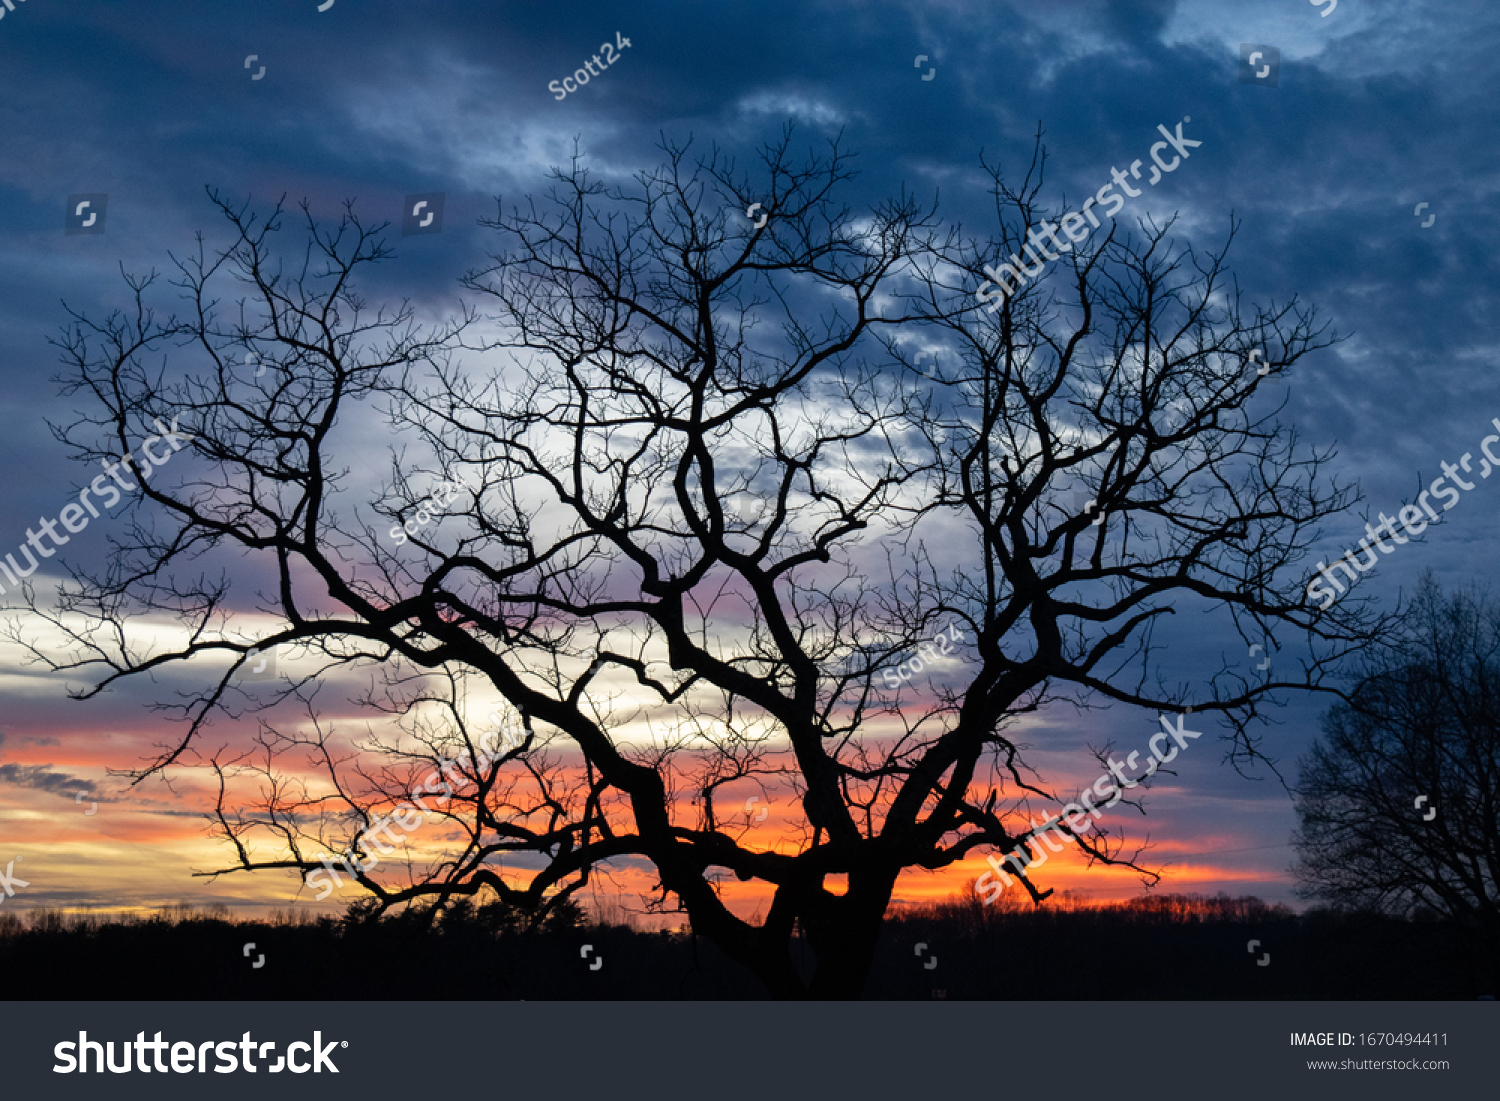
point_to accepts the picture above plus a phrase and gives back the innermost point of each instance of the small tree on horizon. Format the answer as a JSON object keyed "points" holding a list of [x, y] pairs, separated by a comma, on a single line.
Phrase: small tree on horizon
{"points": [[1398, 802]]}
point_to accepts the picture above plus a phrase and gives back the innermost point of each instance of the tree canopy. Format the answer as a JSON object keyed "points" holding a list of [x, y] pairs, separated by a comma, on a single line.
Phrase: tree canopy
{"points": [[721, 482]]}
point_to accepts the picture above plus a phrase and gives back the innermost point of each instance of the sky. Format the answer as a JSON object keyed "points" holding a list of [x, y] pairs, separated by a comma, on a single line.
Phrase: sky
{"points": [[1361, 167]]}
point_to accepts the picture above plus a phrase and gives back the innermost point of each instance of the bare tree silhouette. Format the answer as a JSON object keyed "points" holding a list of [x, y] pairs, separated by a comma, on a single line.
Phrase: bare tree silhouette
{"points": [[1399, 802], [730, 480]]}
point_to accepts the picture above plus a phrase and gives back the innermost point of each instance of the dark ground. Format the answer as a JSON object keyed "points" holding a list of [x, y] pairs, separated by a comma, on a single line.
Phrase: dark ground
{"points": [[1163, 948]]}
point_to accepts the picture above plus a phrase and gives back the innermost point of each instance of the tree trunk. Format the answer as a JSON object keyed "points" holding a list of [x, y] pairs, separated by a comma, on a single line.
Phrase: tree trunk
{"points": [[844, 932]]}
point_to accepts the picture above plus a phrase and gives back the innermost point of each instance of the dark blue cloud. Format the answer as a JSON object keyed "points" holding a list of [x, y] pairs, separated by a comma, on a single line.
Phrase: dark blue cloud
{"points": [[43, 779]]}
